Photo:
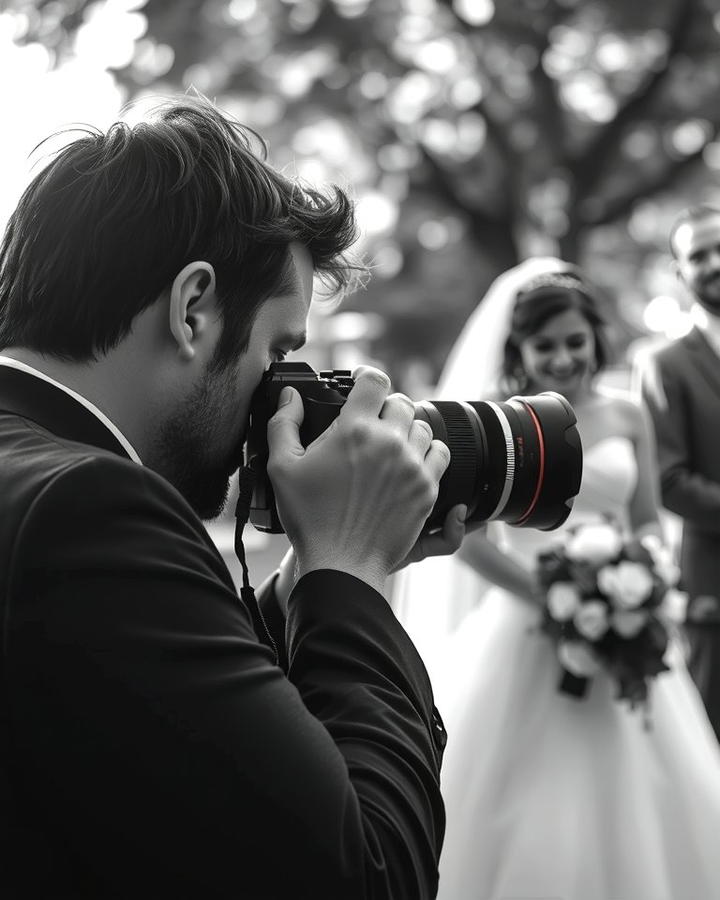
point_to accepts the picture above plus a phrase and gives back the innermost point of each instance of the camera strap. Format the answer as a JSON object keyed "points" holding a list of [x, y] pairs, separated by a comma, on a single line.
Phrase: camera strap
{"points": [[246, 485]]}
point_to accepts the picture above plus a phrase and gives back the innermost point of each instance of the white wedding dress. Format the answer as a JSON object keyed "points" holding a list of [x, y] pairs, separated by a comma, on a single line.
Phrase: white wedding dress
{"points": [[552, 797]]}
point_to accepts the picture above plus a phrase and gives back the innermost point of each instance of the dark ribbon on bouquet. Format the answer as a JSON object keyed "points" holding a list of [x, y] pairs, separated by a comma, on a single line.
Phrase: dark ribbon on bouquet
{"points": [[574, 685]]}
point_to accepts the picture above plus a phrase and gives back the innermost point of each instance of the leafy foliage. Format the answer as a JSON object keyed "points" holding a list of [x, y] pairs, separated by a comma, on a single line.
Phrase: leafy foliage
{"points": [[473, 132]]}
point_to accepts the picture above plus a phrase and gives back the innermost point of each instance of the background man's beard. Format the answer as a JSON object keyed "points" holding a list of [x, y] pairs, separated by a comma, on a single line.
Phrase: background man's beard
{"points": [[709, 302], [707, 293]]}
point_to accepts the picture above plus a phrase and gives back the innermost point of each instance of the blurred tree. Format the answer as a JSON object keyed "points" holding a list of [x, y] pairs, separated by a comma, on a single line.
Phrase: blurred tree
{"points": [[472, 132]]}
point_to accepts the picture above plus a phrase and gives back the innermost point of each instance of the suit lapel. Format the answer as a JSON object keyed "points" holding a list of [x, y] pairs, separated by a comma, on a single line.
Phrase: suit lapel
{"points": [[32, 398], [704, 358]]}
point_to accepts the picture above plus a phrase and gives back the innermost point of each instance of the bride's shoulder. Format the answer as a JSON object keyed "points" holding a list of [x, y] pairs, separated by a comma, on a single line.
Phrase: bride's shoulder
{"points": [[621, 409]]}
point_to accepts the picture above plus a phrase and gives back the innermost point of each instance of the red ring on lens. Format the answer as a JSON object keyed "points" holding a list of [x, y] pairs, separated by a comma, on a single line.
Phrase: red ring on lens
{"points": [[541, 467]]}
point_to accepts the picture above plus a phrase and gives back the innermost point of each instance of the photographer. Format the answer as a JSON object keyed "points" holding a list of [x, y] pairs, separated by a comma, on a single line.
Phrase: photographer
{"points": [[151, 744]]}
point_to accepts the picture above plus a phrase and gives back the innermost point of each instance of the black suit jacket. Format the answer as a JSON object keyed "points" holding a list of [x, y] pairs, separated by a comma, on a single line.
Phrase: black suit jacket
{"points": [[681, 387], [150, 744]]}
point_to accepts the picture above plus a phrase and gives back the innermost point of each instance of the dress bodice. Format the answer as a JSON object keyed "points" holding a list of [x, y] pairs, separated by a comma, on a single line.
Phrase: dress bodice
{"points": [[608, 482]]}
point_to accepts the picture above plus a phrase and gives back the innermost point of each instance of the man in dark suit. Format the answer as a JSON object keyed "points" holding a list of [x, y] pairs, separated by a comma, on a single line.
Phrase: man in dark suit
{"points": [[151, 745], [681, 386]]}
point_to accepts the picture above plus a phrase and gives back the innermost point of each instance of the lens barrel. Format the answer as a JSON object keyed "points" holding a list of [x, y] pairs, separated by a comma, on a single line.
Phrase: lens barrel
{"points": [[519, 461]]}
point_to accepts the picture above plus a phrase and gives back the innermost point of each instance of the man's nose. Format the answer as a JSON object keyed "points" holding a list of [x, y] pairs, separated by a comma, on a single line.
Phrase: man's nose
{"points": [[713, 259]]}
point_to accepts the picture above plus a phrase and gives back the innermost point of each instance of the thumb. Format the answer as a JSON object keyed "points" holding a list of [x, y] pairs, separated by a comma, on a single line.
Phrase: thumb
{"points": [[284, 427], [451, 537]]}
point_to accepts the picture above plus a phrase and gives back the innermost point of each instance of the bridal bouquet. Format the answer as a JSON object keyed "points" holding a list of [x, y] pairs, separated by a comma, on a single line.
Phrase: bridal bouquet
{"points": [[605, 606]]}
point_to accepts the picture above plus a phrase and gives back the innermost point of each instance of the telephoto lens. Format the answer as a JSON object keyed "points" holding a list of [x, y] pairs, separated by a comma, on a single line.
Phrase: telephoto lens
{"points": [[519, 460]]}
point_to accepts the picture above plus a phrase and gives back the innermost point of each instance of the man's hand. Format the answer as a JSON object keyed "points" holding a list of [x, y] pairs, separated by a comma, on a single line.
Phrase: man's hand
{"points": [[356, 498], [439, 543]]}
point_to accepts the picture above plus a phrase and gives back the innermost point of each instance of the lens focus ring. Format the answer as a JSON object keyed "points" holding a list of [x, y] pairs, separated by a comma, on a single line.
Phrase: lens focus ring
{"points": [[509, 457]]}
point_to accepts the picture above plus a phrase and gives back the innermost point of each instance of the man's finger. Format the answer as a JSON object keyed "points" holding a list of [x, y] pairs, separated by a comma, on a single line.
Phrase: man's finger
{"points": [[440, 543], [368, 394], [448, 540], [284, 427], [421, 436], [399, 412], [437, 458]]}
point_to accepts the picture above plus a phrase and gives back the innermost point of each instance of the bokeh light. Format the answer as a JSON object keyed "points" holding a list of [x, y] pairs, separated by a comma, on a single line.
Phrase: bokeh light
{"points": [[376, 213], [475, 12], [664, 315], [39, 99]]}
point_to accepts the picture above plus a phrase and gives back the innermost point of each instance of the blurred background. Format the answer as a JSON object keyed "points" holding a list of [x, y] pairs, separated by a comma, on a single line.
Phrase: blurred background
{"points": [[471, 134]]}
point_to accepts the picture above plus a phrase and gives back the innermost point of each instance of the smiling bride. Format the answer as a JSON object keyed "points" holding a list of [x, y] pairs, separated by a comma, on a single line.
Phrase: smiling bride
{"points": [[547, 794]]}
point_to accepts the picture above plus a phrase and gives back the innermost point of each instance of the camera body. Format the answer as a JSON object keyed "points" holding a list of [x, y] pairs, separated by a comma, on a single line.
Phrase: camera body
{"points": [[518, 460], [323, 394]]}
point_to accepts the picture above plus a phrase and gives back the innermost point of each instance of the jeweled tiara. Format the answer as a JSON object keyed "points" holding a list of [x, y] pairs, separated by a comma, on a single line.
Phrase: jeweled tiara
{"points": [[562, 280]]}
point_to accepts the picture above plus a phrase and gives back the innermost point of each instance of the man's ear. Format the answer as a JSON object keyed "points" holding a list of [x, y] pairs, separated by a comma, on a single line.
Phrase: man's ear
{"points": [[192, 305], [681, 279], [677, 271]]}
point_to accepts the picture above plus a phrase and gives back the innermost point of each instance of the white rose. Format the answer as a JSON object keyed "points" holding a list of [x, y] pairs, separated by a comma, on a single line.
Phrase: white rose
{"points": [[594, 544], [591, 620], [662, 558], [674, 605], [563, 599], [578, 659], [628, 584], [628, 622]]}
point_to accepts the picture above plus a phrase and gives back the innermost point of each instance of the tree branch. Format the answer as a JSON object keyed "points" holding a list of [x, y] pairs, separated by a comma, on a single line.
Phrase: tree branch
{"points": [[621, 206], [586, 177], [446, 189], [547, 89]]}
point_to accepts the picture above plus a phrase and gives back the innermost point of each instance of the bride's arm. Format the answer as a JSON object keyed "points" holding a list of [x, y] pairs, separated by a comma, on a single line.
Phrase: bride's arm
{"points": [[490, 561], [644, 517]]}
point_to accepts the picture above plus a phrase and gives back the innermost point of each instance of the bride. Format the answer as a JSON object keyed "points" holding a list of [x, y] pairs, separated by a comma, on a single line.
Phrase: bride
{"points": [[548, 796]]}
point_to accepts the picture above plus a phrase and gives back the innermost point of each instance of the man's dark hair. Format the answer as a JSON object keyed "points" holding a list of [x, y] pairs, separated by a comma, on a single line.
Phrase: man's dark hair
{"points": [[689, 216], [109, 223]]}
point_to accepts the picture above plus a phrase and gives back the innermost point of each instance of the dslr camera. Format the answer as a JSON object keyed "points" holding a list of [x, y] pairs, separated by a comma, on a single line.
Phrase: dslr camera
{"points": [[519, 461]]}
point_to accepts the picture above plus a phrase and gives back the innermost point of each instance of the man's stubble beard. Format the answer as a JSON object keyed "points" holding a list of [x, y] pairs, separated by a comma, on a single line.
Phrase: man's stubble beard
{"points": [[193, 450], [709, 304], [709, 299]]}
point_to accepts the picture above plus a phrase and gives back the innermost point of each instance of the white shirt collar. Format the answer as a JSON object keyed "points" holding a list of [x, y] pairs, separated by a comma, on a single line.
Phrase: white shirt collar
{"points": [[23, 367]]}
